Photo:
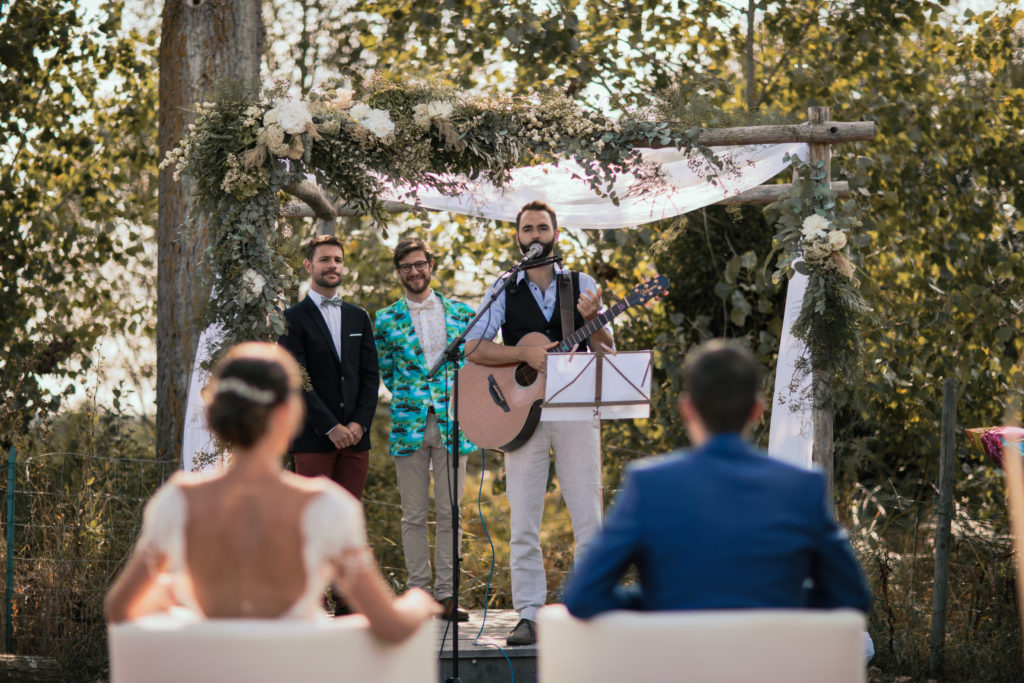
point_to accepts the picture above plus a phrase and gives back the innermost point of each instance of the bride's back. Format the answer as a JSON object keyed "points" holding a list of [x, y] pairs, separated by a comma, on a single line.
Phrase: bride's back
{"points": [[244, 545]]}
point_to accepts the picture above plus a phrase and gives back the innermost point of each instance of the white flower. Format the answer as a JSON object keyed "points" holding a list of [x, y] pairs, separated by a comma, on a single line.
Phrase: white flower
{"points": [[342, 100], [294, 116], [359, 111], [423, 114], [270, 117], [377, 121], [837, 240], [815, 226], [254, 282]]}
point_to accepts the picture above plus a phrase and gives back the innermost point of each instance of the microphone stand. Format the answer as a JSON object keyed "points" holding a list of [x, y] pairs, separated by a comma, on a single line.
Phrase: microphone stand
{"points": [[453, 354]]}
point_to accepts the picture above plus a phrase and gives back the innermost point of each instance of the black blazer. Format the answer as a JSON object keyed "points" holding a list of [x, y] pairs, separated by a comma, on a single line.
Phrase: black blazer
{"points": [[344, 389]]}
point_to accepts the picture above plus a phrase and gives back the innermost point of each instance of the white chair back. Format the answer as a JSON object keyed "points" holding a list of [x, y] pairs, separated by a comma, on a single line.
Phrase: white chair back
{"points": [[173, 649], [719, 646]]}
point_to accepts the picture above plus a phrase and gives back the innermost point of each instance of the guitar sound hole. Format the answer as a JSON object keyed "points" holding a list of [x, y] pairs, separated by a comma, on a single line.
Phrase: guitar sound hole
{"points": [[525, 375]]}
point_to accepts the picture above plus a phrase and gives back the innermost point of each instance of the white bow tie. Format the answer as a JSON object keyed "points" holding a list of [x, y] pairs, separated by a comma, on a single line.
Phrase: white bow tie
{"points": [[417, 306]]}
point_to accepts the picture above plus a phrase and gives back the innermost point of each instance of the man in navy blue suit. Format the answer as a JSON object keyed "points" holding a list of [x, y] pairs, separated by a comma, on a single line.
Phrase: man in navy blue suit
{"points": [[721, 526]]}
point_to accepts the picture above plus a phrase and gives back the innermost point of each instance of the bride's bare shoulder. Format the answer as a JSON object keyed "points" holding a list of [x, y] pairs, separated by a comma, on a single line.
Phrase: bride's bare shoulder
{"points": [[187, 480]]}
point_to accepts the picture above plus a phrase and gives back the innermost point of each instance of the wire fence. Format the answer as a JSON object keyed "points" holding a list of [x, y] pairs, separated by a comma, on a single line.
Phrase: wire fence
{"points": [[69, 521]]}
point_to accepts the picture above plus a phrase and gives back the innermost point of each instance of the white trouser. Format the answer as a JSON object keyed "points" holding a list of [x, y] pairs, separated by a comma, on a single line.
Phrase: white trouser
{"points": [[413, 473], [577, 447]]}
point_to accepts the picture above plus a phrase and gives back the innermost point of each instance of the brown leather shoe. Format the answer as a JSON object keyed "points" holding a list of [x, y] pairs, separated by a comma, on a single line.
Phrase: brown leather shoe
{"points": [[525, 633], [447, 605]]}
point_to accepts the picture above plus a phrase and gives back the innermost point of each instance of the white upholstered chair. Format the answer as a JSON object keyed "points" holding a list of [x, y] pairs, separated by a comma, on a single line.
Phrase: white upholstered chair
{"points": [[166, 648], [727, 646]]}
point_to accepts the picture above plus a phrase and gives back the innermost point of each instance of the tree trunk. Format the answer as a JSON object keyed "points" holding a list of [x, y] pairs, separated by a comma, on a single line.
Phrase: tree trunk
{"points": [[203, 44], [748, 58]]}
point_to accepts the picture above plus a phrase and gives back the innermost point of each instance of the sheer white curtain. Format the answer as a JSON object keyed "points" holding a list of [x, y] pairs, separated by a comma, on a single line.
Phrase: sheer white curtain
{"points": [[690, 183]]}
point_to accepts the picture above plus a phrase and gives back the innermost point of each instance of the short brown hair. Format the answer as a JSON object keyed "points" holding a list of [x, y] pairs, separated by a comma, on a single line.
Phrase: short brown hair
{"points": [[537, 205], [721, 378], [409, 245], [321, 240]]}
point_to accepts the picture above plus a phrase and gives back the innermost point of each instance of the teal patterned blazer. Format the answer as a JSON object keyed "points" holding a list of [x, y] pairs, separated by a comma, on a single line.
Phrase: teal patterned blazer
{"points": [[403, 369]]}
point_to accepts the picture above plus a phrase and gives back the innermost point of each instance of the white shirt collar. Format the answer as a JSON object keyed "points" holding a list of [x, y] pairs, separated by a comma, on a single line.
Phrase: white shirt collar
{"points": [[430, 297], [317, 297]]}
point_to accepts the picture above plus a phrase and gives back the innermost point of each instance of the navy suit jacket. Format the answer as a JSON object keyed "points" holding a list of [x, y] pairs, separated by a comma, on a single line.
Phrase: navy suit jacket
{"points": [[343, 389], [721, 527]]}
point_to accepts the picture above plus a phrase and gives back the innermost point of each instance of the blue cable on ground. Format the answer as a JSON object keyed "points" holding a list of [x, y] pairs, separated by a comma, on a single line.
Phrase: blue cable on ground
{"points": [[490, 576]]}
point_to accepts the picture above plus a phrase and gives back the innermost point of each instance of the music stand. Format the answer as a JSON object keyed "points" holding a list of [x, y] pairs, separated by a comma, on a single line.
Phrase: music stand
{"points": [[605, 385]]}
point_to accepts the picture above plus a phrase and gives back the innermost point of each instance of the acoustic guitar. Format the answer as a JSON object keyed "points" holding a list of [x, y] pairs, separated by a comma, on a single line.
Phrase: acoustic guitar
{"points": [[499, 405]]}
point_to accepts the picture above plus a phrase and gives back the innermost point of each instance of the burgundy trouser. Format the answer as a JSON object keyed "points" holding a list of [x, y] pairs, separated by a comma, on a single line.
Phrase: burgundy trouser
{"points": [[344, 466]]}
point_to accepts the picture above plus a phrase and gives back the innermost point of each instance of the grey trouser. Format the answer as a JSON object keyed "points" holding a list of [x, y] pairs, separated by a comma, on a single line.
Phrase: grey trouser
{"points": [[577, 447], [414, 487]]}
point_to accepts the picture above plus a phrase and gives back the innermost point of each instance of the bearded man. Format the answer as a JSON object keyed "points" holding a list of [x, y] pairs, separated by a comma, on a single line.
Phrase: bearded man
{"points": [[410, 335], [532, 304]]}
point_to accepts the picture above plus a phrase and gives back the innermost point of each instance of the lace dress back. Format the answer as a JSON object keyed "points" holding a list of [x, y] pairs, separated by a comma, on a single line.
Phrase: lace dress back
{"points": [[331, 525]]}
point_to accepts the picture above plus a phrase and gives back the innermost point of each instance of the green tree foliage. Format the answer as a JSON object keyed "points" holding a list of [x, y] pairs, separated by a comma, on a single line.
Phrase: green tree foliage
{"points": [[76, 190]]}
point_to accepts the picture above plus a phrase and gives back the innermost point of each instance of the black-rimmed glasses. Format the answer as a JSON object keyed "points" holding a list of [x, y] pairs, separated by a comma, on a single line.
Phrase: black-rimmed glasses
{"points": [[406, 268]]}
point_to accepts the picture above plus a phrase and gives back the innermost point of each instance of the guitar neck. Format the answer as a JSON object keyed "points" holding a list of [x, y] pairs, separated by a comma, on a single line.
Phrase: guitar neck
{"points": [[591, 327]]}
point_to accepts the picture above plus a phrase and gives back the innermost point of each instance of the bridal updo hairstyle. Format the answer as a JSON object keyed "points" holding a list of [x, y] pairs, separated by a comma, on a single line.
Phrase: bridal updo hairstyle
{"points": [[248, 383]]}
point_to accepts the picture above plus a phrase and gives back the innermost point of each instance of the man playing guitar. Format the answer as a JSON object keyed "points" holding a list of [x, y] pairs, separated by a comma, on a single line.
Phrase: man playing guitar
{"points": [[532, 304]]}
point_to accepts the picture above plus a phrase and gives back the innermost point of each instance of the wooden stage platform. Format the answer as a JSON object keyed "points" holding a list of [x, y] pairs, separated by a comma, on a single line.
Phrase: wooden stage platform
{"points": [[488, 659]]}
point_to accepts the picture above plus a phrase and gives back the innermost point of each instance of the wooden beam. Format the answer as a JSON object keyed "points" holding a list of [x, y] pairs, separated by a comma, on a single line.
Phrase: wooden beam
{"points": [[824, 132], [823, 410], [820, 132], [314, 198], [766, 194]]}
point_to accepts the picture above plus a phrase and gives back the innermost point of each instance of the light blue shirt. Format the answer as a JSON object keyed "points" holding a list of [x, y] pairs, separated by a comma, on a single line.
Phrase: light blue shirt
{"points": [[487, 327]]}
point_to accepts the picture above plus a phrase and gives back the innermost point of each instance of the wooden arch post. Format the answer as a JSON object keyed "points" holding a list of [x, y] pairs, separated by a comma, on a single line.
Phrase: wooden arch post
{"points": [[823, 449]]}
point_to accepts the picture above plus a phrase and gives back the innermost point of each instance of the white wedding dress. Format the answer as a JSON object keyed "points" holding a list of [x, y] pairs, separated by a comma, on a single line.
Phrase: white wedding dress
{"points": [[332, 526]]}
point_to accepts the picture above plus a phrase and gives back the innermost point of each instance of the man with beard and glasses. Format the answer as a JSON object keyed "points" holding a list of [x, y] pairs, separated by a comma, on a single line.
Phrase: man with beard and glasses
{"points": [[411, 334], [333, 343], [532, 304]]}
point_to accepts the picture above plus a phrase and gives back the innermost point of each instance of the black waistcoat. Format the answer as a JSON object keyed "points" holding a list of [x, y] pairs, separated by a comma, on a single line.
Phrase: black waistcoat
{"points": [[523, 314]]}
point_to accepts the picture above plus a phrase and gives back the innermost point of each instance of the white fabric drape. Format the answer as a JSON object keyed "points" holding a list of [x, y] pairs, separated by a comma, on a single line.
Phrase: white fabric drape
{"points": [[197, 438], [690, 183], [791, 434]]}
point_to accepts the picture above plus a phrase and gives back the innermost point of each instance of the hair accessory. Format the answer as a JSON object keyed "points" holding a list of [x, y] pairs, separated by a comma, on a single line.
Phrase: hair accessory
{"points": [[234, 385]]}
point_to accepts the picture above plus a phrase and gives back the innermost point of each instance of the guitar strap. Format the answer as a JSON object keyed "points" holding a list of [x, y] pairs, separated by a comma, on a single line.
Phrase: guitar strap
{"points": [[565, 302]]}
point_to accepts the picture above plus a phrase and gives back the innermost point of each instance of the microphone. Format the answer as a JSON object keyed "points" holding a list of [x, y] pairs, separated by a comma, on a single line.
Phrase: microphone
{"points": [[535, 250]]}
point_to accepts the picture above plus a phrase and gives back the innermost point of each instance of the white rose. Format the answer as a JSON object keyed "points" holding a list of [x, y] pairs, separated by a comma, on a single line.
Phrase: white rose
{"points": [[359, 111], [270, 117], [379, 123], [420, 117], [294, 116], [342, 100], [254, 282], [439, 108], [815, 225], [837, 240], [423, 114]]}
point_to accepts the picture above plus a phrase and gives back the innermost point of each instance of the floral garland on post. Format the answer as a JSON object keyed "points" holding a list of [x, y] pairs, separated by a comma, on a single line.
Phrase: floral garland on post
{"points": [[242, 151], [812, 232]]}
